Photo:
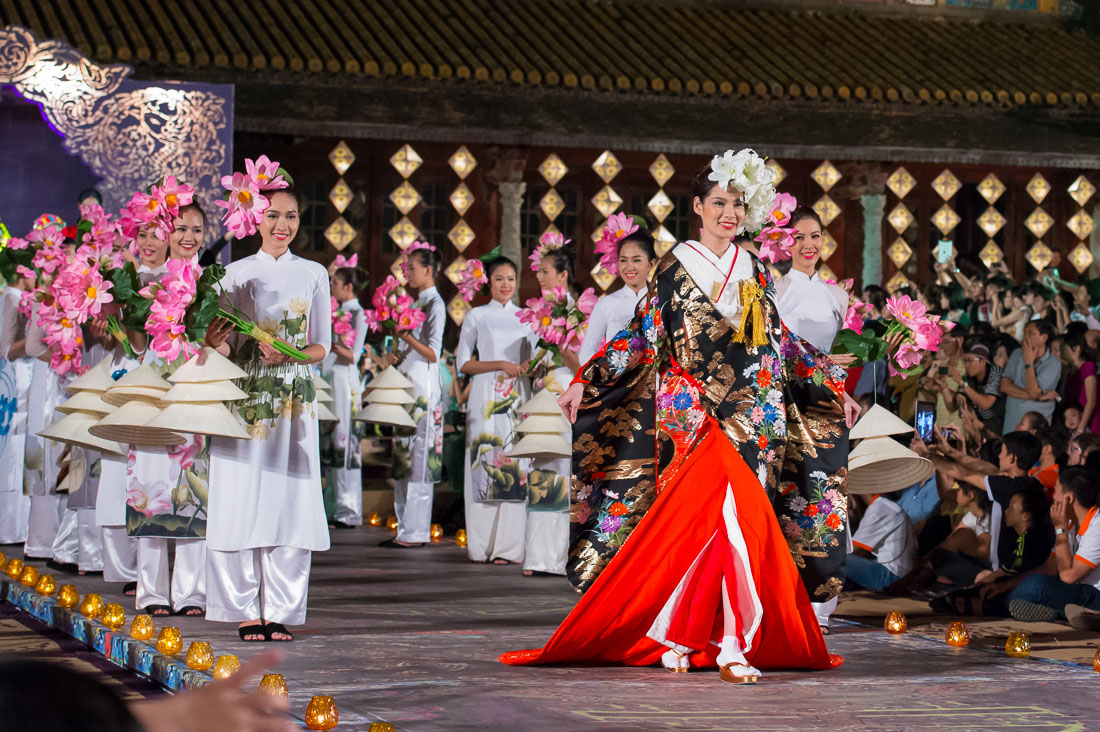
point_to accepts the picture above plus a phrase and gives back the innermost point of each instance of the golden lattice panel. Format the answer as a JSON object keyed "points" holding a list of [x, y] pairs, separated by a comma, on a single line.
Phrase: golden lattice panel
{"points": [[405, 198], [991, 221], [1080, 257], [462, 198], [1039, 223], [991, 188], [1081, 190], [1081, 224], [607, 201], [340, 195], [552, 204], [1038, 188], [602, 277], [661, 205], [826, 175], [462, 162], [406, 161], [1039, 256], [461, 235], [901, 218], [661, 170], [946, 185], [607, 166], [339, 233], [341, 157], [945, 219], [404, 232], [991, 253], [552, 169], [899, 252], [900, 182], [827, 209]]}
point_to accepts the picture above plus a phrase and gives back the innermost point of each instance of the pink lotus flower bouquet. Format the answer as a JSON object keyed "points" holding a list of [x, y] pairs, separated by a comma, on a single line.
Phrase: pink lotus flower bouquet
{"points": [[394, 309], [558, 324], [474, 279], [245, 203], [775, 237], [870, 340], [342, 328]]}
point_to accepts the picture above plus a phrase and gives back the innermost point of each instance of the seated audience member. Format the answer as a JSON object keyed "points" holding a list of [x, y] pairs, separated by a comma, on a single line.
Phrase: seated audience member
{"points": [[884, 544], [1080, 447], [965, 553], [1032, 423], [1031, 373], [1071, 419], [981, 386], [1053, 452]]}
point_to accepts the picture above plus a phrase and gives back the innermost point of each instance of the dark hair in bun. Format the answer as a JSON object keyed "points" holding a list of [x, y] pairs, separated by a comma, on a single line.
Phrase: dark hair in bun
{"points": [[561, 259]]}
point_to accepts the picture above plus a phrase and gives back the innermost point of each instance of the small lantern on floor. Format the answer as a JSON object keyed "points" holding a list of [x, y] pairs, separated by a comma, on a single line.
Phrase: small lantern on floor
{"points": [[67, 596], [1018, 644], [1096, 661], [460, 537], [114, 616], [200, 656], [3, 560], [14, 568], [374, 519], [226, 666], [391, 523], [92, 606], [957, 635], [437, 532], [29, 576], [896, 623], [322, 713], [274, 685], [381, 727], [169, 640], [143, 628], [46, 585]]}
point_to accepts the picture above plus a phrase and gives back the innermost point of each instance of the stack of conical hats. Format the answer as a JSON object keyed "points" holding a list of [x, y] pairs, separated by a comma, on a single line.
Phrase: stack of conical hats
{"points": [[83, 409], [196, 402], [542, 429], [386, 400], [324, 399], [137, 396], [879, 463]]}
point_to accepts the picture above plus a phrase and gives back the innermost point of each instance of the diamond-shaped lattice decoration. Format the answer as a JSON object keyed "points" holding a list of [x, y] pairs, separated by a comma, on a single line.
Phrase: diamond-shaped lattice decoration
{"points": [[340, 195], [946, 184], [339, 233], [826, 273], [661, 205], [663, 241], [462, 198], [405, 198], [552, 204], [776, 168], [945, 218], [1039, 256], [607, 166], [827, 209], [828, 245], [897, 282], [991, 188], [1039, 223], [607, 201], [1080, 257], [404, 232], [901, 182], [991, 253], [826, 175], [455, 268], [661, 170], [602, 277], [899, 252], [597, 233], [406, 161], [1081, 224], [1038, 188], [991, 221], [341, 157], [900, 218], [462, 162], [552, 169], [1081, 190], [461, 235], [396, 269], [457, 309]]}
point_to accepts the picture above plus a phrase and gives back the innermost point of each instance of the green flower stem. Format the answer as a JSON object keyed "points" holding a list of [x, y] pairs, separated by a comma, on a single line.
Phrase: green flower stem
{"points": [[245, 326], [120, 335]]}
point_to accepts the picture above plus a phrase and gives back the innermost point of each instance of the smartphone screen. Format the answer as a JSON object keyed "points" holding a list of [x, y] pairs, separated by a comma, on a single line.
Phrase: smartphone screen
{"points": [[925, 420], [944, 249]]}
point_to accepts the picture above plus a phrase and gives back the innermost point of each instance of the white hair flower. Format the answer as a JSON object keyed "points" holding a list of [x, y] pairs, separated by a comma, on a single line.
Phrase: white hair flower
{"points": [[746, 172]]}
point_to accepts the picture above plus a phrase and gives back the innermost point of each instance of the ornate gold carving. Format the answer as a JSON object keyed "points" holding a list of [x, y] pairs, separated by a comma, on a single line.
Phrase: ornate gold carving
{"points": [[899, 252], [897, 282], [945, 218], [828, 245], [602, 277], [1081, 190], [1081, 224], [663, 241], [1039, 256], [827, 209], [607, 201], [461, 235], [661, 205], [991, 221], [454, 269], [406, 161], [991, 254], [457, 309], [404, 232], [462, 198], [1039, 223], [405, 198]]}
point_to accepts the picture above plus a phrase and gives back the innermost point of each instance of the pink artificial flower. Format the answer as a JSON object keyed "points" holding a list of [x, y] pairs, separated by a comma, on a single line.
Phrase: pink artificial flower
{"points": [[352, 261], [63, 363], [550, 240], [245, 205], [906, 357], [265, 173], [172, 195], [471, 279], [853, 319], [149, 500], [910, 313], [928, 336], [411, 318], [49, 259], [587, 301], [168, 340], [25, 272], [16, 243], [775, 243], [783, 206]]}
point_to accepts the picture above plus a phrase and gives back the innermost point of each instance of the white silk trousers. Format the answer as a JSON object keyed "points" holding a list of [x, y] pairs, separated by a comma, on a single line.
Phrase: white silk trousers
{"points": [[412, 502], [184, 587], [42, 524], [119, 555], [271, 583], [14, 513]]}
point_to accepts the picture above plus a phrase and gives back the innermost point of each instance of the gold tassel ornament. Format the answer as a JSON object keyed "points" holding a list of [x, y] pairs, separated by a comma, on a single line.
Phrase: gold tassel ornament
{"points": [[752, 298]]}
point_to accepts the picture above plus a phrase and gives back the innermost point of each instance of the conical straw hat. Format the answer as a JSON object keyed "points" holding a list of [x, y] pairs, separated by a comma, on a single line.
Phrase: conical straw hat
{"points": [[389, 396], [385, 414], [320, 382], [73, 429], [879, 422], [537, 445], [85, 401], [127, 424], [881, 465], [212, 418], [545, 402], [545, 424], [391, 378], [216, 368], [145, 377], [119, 395], [210, 391], [325, 414], [97, 378]]}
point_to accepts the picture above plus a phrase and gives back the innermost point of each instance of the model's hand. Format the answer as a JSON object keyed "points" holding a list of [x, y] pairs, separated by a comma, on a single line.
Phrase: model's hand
{"points": [[570, 401], [512, 370], [271, 355], [843, 359], [851, 410], [217, 332]]}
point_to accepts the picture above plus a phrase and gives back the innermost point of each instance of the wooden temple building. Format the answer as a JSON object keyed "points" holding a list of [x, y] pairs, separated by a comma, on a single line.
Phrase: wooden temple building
{"points": [[473, 123]]}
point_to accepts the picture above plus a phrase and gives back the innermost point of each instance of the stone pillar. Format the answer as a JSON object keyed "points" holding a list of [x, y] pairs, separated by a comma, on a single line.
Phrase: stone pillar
{"points": [[873, 207], [511, 204]]}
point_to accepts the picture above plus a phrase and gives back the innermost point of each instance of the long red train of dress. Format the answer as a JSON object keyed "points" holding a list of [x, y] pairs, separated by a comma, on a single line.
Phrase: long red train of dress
{"points": [[683, 536]]}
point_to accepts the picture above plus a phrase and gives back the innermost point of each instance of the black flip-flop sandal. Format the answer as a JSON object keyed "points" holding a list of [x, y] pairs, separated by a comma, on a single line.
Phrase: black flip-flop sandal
{"points": [[270, 629], [129, 589], [157, 611], [191, 611], [257, 630]]}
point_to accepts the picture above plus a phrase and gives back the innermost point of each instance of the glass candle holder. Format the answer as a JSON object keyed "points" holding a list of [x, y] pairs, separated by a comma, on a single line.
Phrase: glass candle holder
{"points": [[143, 628], [46, 585], [391, 523], [3, 560], [274, 685], [1096, 661], [13, 569], [29, 576], [381, 727], [374, 519], [67, 596], [437, 533], [1018, 644], [92, 606], [114, 616], [200, 656], [322, 713], [226, 666], [169, 640], [957, 635], [460, 537], [896, 622]]}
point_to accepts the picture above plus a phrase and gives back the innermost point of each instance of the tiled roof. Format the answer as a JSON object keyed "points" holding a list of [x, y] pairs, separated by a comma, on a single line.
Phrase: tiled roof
{"points": [[674, 48]]}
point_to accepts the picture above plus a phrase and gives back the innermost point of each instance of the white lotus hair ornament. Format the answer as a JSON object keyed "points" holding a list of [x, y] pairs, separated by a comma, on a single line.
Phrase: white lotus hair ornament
{"points": [[747, 172]]}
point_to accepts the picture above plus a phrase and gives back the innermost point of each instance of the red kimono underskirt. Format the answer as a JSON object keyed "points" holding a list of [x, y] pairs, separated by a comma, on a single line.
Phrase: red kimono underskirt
{"points": [[609, 623]]}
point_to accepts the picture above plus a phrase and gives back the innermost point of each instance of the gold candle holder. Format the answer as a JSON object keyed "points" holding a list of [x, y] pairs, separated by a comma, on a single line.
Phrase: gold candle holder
{"points": [[29, 576], [3, 560], [437, 533], [381, 727], [67, 596], [13, 569], [1096, 661], [322, 713], [274, 685], [226, 666], [92, 606], [460, 537], [896, 622], [374, 519], [1018, 644], [200, 656], [46, 585], [169, 641], [143, 628], [114, 616], [957, 635], [391, 523]]}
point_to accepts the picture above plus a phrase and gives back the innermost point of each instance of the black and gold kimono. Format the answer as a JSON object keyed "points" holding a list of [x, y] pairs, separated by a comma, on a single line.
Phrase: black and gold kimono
{"points": [[650, 392]]}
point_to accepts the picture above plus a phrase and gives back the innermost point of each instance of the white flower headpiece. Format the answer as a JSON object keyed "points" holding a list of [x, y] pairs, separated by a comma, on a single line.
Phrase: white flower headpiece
{"points": [[747, 172]]}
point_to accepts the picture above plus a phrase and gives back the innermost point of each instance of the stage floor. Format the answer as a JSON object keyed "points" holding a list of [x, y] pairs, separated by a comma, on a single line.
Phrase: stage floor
{"points": [[411, 637]]}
